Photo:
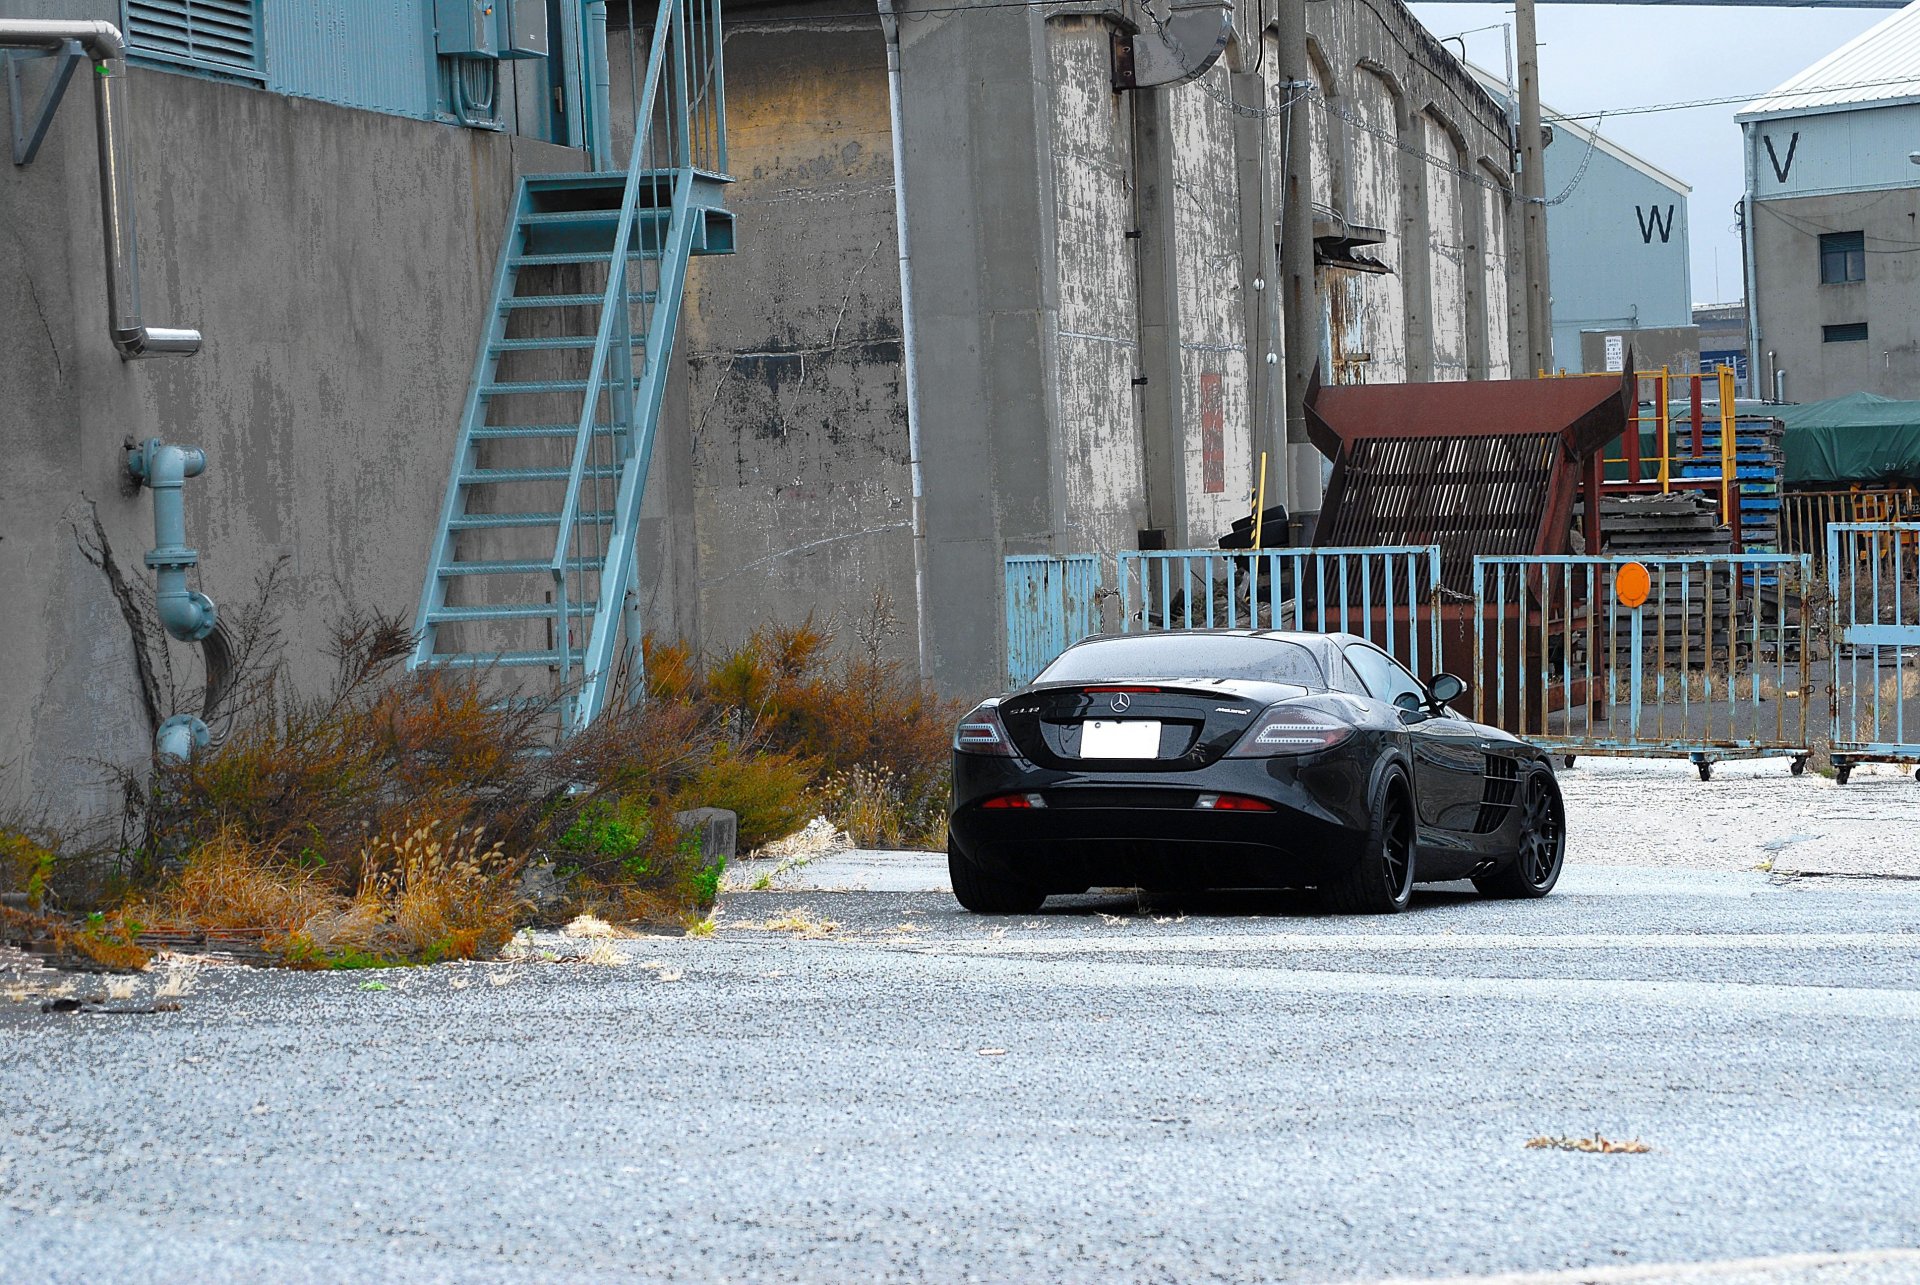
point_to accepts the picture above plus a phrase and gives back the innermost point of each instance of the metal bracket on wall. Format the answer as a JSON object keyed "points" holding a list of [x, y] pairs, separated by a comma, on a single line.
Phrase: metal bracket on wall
{"points": [[26, 141]]}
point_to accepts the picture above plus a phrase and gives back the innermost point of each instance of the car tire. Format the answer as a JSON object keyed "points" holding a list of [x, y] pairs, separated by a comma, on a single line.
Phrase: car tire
{"points": [[1380, 880], [1542, 850], [986, 894]]}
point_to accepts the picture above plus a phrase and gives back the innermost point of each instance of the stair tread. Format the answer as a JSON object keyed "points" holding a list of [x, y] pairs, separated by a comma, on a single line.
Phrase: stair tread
{"points": [[506, 611], [513, 566], [572, 300], [483, 660], [541, 345], [510, 432], [555, 473], [508, 386], [470, 521], [561, 257]]}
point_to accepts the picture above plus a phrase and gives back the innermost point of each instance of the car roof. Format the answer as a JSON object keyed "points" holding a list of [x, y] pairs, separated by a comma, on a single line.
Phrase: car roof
{"points": [[1326, 647]]}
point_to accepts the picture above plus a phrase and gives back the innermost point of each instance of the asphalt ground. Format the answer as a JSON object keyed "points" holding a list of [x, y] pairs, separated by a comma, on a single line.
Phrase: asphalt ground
{"points": [[853, 1080]]}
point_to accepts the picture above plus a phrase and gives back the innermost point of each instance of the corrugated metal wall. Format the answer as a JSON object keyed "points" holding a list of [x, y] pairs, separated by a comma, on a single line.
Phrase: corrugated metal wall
{"points": [[1617, 246], [374, 54]]}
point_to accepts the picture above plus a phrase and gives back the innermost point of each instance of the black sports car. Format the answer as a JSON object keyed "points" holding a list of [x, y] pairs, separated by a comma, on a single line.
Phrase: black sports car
{"points": [[1222, 758]]}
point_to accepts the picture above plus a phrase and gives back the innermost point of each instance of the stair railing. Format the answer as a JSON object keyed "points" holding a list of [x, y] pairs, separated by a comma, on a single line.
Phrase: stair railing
{"points": [[664, 140]]}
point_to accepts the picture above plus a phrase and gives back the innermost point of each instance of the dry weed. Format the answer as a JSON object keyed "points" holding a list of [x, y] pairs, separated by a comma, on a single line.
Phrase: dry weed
{"points": [[799, 921], [1596, 1145], [589, 926], [233, 884]]}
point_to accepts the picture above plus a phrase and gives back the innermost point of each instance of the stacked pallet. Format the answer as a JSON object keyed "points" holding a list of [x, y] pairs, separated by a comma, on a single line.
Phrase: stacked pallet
{"points": [[1673, 623], [1651, 525], [1760, 460]]}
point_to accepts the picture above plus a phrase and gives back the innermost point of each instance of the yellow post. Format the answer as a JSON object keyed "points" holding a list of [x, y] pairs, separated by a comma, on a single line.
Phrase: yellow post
{"points": [[1260, 502]]}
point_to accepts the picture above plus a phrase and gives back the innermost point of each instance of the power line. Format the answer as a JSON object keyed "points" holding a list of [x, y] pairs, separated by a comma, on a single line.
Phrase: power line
{"points": [[1741, 98]]}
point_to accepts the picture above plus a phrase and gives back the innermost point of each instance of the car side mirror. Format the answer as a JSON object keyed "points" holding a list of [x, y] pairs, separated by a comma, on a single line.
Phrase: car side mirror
{"points": [[1444, 689]]}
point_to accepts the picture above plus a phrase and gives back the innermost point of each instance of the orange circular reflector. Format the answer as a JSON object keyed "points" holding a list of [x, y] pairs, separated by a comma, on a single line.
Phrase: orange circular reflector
{"points": [[1630, 584]]}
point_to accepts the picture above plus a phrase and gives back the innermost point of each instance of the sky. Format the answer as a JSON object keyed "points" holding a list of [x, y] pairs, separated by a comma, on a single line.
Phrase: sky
{"points": [[1608, 56]]}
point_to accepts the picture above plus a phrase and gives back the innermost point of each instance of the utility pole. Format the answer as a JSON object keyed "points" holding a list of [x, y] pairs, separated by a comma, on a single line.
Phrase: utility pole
{"points": [[1533, 190], [1299, 298]]}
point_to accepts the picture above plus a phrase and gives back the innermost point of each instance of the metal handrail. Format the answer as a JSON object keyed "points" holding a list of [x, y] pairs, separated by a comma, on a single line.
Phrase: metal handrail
{"points": [[613, 308]]}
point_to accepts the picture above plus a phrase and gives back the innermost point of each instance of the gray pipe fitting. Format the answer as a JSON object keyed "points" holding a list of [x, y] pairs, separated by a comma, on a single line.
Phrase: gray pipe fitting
{"points": [[179, 737], [187, 614]]}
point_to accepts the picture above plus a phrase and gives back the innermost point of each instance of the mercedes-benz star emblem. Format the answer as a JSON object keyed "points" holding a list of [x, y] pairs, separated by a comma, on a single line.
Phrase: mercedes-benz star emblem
{"points": [[1120, 703]]}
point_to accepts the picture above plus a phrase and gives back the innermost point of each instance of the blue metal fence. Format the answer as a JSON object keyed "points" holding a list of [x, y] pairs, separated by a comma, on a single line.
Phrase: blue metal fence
{"points": [[1052, 603], [1387, 594], [1873, 589], [1708, 660]]}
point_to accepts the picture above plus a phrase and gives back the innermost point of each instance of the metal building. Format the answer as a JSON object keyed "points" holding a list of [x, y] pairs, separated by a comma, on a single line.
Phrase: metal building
{"points": [[1616, 241], [1833, 237]]}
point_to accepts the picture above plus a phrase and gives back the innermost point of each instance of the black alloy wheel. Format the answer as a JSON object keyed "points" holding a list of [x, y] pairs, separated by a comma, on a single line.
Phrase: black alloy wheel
{"points": [[1380, 881], [1542, 849], [986, 894]]}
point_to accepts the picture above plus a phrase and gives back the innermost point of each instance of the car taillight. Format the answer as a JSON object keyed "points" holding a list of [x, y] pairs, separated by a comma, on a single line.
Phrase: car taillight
{"points": [[982, 732], [1291, 729], [1232, 803], [1015, 801]]}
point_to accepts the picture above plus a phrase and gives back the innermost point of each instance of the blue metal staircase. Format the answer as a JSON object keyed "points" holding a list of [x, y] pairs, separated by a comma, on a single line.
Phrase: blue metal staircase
{"points": [[532, 572]]}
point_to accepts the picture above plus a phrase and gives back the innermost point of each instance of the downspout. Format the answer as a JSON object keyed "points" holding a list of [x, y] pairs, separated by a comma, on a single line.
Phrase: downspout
{"points": [[106, 49], [1749, 227], [187, 614], [891, 25], [600, 108]]}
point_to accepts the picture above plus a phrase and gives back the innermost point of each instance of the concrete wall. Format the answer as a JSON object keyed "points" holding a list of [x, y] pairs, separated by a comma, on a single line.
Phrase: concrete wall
{"points": [[1842, 171], [1794, 307], [795, 402], [1091, 337], [338, 262]]}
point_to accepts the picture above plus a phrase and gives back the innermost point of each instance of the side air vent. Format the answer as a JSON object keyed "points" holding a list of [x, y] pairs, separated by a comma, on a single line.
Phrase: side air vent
{"points": [[1503, 783], [223, 34]]}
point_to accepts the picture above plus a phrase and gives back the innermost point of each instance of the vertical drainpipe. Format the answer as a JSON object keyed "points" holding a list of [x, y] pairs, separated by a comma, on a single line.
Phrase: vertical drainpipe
{"points": [[186, 614], [890, 24], [1749, 225], [600, 104]]}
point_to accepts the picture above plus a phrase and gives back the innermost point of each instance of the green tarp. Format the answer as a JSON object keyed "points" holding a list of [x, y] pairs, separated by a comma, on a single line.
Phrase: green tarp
{"points": [[1861, 437]]}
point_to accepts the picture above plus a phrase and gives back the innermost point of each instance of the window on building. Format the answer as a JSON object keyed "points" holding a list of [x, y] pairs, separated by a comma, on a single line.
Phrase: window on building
{"points": [[220, 35], [1843, 258], [1854, 332]]}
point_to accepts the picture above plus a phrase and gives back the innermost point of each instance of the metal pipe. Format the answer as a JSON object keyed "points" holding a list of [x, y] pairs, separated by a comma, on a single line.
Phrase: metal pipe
{"points": [[1750, 285], [910, 373], [188, 615], [600, 109], [107, 50]]}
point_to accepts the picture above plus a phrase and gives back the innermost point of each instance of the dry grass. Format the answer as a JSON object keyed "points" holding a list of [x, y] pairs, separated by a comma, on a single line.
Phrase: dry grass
{"points": [[799, 921], [1596, 1145], [232, 884]]}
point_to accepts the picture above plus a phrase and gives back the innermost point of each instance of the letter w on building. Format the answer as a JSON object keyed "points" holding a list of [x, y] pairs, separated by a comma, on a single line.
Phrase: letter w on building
{"points": [[1653, 220]]}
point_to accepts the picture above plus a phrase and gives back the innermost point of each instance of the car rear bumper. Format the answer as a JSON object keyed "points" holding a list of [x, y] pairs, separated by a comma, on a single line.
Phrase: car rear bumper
{"points": [[1111, 830]]}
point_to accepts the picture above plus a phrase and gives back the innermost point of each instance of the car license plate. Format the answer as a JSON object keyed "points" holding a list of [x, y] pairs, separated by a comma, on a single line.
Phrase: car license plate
{"points": [[1103, 738]]}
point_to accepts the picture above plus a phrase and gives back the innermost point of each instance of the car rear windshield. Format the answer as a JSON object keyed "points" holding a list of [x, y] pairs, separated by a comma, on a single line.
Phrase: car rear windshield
{"points": [[1187, 656]]}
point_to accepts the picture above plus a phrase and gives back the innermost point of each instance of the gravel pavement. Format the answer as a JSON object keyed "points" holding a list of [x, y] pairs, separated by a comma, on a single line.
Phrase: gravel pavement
{"points": [[852, 1080]]}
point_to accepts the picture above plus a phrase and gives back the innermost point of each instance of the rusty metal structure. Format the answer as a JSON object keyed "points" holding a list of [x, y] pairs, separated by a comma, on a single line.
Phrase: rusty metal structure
{"points": [[1488, 467]]}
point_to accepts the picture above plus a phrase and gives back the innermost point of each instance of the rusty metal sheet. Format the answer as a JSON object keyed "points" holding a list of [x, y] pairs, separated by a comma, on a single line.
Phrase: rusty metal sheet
{"points": [[1586, 413]]}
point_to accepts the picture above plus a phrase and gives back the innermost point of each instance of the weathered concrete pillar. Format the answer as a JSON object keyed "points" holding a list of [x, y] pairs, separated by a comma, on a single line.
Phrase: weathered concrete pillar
{"points": [[1416, 240], [980, 183], [1259, 259], [1162, 407]]}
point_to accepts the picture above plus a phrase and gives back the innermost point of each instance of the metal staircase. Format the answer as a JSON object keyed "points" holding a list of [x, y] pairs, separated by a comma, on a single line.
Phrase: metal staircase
{"points": [[532, 573]]}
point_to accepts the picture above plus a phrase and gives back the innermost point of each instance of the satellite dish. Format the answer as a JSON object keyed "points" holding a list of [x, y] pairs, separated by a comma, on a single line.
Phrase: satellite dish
{"points": [[1180, 41]]}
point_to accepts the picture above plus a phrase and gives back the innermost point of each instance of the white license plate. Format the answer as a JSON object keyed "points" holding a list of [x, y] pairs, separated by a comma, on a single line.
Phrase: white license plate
{"points": [[1113, 739]]}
